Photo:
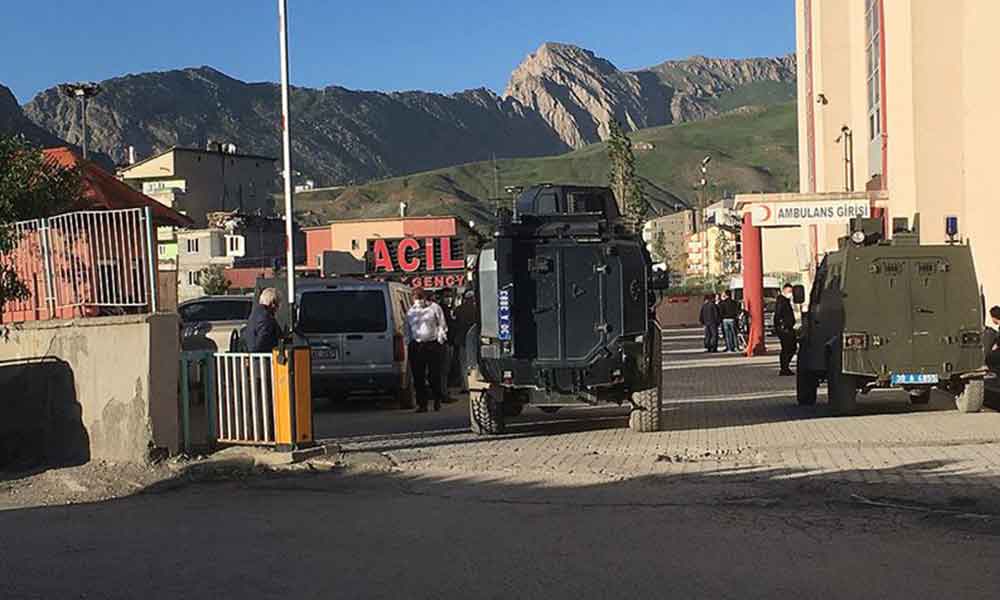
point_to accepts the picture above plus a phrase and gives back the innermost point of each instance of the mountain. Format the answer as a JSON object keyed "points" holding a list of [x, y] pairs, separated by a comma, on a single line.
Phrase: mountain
{"points": [[579, 94], [561, 97], [339, 135], [752, 149], [13, 122]]}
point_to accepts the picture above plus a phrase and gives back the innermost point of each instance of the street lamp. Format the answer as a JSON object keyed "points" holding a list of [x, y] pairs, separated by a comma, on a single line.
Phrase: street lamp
{"points": [[83, 90]]}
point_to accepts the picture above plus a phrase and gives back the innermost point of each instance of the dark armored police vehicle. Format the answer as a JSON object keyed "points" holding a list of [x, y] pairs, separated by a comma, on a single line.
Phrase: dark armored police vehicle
{"points": [[893, 313], [565, 310]]}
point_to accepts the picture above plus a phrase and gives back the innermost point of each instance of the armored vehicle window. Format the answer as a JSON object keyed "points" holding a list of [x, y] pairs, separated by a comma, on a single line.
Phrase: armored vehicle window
{"points": [[586, 203], [546, 203]]}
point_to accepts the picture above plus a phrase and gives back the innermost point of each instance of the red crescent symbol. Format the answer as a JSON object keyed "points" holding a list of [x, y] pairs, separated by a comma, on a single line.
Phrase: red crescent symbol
{"points": [[767, 212]]}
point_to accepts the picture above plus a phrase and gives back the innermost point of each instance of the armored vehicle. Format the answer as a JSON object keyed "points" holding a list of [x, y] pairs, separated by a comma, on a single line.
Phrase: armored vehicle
{"points": [[893, 314], [565, 310]]}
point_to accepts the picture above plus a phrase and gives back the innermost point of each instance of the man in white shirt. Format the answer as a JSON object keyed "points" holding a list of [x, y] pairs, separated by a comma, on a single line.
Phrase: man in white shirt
{"points": [[427, 332]]}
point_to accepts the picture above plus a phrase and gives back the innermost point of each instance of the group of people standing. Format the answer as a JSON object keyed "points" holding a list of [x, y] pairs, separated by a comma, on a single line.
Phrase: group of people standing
{"points": [[436, 332], [724, 313]]}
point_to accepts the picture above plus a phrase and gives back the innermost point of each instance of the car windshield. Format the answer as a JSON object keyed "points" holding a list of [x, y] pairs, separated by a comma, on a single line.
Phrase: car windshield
{"points": [[342, 311], [216, 310]]}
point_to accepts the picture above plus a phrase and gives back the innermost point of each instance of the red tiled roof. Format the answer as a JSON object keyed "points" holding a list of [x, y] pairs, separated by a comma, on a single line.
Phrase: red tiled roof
{"points": [[101, 190]]}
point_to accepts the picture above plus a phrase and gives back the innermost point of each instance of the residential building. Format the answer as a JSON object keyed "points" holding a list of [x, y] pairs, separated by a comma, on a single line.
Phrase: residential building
{"points": [[674, 230], [231, 241], [197, 182], [897, 104]]}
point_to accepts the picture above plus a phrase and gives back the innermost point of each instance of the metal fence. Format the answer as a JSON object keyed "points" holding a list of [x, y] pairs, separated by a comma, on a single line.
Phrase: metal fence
{"points": [[84, 263], [245, 397]]}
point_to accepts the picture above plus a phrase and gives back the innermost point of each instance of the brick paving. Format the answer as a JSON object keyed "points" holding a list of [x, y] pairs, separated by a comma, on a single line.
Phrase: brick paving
{"points": [[724, 416]]}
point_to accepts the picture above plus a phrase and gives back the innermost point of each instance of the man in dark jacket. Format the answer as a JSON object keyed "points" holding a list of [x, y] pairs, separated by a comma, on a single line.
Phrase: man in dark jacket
{"points": [[991, 341], [784, 328], [729, 310], [262, 332], [710, 319]]}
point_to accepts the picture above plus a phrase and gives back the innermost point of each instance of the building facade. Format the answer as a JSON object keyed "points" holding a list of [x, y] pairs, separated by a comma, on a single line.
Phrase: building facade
{"points": [[197, 182], [897, 98], [232, 242]]}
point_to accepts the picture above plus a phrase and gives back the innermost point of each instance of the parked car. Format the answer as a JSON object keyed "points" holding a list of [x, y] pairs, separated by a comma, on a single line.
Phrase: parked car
{"points": [[355, 329], [208, 323]]}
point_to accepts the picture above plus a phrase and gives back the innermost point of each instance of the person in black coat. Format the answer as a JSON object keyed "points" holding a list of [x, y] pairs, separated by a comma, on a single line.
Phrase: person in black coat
{"points": [[262, 331], [784, 328], [710, 320]]}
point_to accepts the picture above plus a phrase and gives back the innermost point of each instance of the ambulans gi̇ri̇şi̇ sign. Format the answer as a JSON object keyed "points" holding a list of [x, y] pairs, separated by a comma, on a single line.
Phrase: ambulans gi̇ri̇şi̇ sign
{"points": [[776, 214]]}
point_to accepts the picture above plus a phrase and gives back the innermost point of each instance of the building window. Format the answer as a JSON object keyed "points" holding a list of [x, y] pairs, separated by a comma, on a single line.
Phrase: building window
{"points": [[354, 244], [161, 250], [192, 246], [235, 245], [194, 278], [873, 55]]}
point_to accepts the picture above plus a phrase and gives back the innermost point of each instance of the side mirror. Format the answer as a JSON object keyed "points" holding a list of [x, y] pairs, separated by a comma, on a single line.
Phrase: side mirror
{"points": [[798, 294]]}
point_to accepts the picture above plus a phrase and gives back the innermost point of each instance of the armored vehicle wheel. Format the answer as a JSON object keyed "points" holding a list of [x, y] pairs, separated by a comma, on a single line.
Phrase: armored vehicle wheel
{"points": [[920, 396], [512, 408], [842, 388], [645, 415], [970, 398], [486, 412], [806, 384], [549, 410]]}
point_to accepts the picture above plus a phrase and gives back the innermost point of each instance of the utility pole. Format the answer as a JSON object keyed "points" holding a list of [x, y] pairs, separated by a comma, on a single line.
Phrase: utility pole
{"points": [[82, 91], [496, 177], [286, 140]]}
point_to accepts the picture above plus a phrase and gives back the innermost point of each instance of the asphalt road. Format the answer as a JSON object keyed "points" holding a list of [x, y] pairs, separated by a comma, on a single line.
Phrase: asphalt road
{"points": [[382, 535]]}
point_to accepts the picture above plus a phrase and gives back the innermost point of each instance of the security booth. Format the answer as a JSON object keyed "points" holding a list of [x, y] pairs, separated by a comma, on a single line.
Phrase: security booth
{"points": [[789, 232]]}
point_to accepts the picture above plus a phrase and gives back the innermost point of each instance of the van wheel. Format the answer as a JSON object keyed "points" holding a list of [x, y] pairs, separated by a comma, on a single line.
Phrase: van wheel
{"points": [[970, 398], [407, 397], [806, 385], [486, 412], [645, 415], [841, 387]]}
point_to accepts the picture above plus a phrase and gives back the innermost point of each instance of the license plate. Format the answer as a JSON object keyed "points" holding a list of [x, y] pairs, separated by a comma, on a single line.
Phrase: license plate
{"points": [[504, 305], [324, 354], [914, 378]]}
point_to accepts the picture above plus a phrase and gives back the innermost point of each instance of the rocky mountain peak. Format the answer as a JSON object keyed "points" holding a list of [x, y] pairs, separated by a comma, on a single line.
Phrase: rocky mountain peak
{"points": [[579, 93]]}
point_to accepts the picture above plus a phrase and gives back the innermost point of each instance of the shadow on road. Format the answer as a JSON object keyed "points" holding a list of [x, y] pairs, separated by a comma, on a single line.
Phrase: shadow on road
{"points": [[731, 533]]}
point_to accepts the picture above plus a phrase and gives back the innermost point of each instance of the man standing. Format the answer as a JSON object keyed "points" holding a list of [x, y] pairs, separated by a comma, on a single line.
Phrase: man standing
{"points": [[991, 341], [427, 332], [729, 310], [709, 318], [784, 328], [262, 332]]}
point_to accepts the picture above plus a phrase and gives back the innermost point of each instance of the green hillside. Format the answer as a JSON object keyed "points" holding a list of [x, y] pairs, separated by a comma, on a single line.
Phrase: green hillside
{"points": [[752, 149]]}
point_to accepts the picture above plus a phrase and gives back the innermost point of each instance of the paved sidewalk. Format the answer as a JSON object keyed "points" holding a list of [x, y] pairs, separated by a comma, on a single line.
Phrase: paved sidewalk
{"points": [[724, 415]]}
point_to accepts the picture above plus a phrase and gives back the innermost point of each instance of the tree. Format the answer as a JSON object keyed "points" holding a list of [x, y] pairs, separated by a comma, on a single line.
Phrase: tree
{"points": [[213, 280], [725, 251], [659, 248], [623, 179], [31, 187]]}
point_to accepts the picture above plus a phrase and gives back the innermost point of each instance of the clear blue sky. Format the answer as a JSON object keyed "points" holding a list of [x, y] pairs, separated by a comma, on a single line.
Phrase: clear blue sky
{"points": [[435, 45]]}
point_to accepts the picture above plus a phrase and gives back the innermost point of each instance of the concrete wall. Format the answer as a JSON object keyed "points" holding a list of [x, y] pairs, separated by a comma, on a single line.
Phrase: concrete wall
{"points": [[112, 382]]}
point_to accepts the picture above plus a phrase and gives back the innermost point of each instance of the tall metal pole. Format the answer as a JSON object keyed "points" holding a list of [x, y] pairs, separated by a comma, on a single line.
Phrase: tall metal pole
{"points": [[286, 140]]}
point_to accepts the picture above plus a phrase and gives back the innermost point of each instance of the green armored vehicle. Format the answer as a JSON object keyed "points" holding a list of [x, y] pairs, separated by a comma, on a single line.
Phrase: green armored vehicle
{"points": [[893, 314]]}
